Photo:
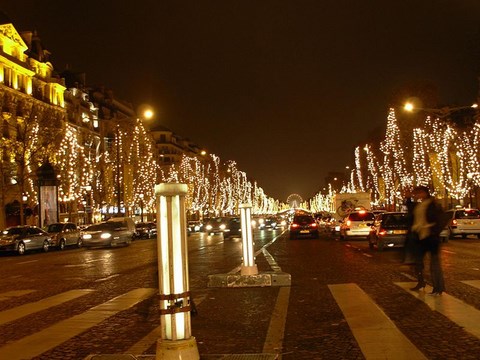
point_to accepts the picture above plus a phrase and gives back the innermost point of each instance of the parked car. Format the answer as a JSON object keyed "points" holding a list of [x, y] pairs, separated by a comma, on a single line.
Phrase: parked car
{"points": [[357, 224], [463, 222], [390, 230], [20, 239], [303, 225], [233, 228], [64, 234], [110, 233], [145, 230]]}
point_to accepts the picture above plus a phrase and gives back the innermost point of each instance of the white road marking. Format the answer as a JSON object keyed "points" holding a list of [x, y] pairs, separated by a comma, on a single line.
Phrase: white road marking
{"points": [[44, 340], [474, 283], [14, 293], [27, 262], [376, 334], [448, 251], [456, 310], [30, 308], [275, 334]]}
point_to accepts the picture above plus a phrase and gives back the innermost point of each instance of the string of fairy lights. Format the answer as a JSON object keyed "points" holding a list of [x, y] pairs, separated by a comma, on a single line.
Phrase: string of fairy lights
{"points": [[441, 157]]}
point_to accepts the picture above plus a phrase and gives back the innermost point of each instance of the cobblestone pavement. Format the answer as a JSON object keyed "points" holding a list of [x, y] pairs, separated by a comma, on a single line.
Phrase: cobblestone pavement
{"points": [[237, 320]]}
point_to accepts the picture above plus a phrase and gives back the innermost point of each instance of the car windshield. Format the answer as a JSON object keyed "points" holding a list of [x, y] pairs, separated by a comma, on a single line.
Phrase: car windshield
{"points": [[55, 228], [468, 214], [361, 216]]}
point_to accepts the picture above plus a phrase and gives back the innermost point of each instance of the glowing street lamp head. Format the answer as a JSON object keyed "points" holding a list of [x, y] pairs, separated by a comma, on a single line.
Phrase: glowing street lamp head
{"points": [[408, 106], [148, 114]]}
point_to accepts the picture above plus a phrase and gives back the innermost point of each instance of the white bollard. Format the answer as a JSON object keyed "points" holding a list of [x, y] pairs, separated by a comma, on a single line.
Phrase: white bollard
{"points": [[176, 342], [248, 265]]}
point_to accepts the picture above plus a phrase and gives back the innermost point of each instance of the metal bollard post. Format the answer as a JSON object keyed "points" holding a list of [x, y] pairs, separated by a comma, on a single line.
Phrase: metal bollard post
{"points": [[248, 265], [176, 342]]}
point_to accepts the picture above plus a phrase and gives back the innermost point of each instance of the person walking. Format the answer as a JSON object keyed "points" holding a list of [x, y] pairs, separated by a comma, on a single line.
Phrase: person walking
{"points": [[428, 222]]}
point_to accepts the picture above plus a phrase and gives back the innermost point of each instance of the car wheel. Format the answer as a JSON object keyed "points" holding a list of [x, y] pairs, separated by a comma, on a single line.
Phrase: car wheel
{"points": [[21, 248], [61, 246], [464, 236], [450, 234], [45, 246], [79, 243]]}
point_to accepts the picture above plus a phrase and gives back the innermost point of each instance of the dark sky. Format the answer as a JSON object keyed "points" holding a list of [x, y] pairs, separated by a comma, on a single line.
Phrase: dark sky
{"points": [[285, 88]]}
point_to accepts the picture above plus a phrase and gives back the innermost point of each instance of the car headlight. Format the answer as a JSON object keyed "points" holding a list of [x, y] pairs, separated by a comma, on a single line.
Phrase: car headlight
{"points": [[209, 227], [105, 236], [86, 236], [197, 227], [222, 227], [261, 221]]}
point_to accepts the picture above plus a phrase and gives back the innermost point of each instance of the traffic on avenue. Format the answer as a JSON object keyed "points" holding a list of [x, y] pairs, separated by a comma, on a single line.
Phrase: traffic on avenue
{"points": [[341, 298]]}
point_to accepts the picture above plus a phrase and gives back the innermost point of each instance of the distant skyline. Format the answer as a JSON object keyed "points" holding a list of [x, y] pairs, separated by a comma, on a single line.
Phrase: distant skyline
{"points": [[284, 88]]}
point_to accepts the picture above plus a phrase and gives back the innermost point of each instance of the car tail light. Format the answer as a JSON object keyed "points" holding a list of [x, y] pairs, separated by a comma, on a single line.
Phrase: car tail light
{"points": [[314, 225], [349, 223], [294, 225], [382, 232], [454, 222]]}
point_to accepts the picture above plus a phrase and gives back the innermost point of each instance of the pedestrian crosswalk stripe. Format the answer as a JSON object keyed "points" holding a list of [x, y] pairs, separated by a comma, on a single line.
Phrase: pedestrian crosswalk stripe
{"points": [[474, 283], [456, 310], [14, 293], [42, 341], [369, 323], [30, 308], [274, 339]]}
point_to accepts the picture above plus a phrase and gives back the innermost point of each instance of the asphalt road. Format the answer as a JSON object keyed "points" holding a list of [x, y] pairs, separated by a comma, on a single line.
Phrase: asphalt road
{"points": [[42, 294]]}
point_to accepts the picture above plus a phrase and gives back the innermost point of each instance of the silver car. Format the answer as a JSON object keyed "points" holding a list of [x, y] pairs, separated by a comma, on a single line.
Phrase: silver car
{"points": [[110, 234], [23, 238], [64, 234]]}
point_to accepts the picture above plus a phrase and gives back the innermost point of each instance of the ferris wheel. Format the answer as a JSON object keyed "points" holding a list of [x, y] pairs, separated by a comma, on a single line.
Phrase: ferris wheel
{"points": [[294, 200]]}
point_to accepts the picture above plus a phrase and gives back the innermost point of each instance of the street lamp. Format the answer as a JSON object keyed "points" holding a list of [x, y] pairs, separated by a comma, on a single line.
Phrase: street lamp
{"points": [[141, 207], [88, 208], [441, 113]]}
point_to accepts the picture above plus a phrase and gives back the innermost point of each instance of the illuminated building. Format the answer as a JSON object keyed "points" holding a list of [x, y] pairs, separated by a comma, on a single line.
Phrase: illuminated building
{"points": [[31, 98]]}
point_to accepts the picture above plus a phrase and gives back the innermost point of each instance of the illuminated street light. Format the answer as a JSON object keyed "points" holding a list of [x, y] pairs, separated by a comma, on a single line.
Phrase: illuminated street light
{"points": [[176, 341], [443, 112], [148, 114], [141, 207]]}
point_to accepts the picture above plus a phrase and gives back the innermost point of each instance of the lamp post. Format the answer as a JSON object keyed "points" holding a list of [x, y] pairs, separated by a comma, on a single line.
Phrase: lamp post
{"points": [[440, 113], [176, 340], [88, 208], [141, 207]]}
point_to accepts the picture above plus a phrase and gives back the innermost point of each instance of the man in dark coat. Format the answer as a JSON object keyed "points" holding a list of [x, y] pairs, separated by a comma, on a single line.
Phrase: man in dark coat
{"points": [[428, 222]]}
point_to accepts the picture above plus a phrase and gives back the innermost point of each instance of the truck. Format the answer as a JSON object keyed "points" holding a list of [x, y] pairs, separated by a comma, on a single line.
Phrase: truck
{"points": [[345, 203]]}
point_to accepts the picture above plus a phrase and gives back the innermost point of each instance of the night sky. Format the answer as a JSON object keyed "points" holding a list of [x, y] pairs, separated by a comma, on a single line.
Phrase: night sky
{"points": [[287, 89]]}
